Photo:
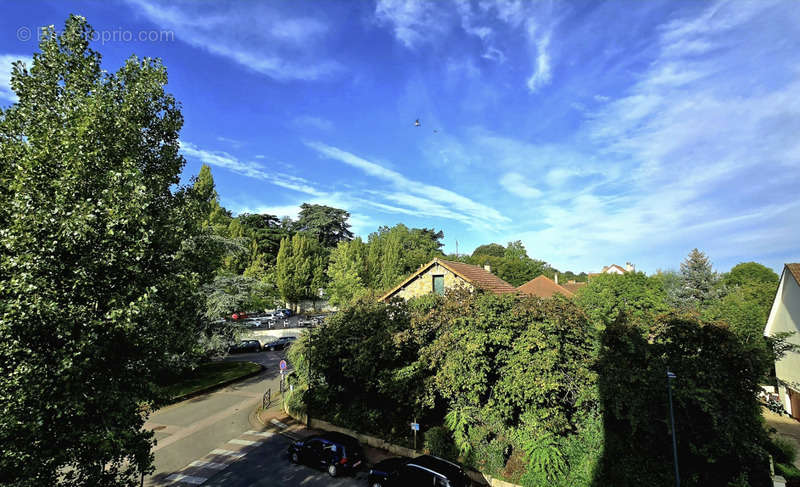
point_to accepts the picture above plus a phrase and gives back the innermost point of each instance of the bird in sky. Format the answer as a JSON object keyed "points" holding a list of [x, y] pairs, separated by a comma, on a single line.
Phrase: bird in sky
{"points": [[416, 123]]}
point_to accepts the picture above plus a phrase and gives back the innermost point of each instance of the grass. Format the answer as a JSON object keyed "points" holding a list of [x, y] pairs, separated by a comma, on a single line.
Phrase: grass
{"points": [[209, 375]]}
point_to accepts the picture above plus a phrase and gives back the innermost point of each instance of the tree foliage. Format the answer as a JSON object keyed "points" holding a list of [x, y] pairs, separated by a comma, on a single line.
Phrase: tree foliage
{"points": [[633, 294], [698, 279], [717, 416], [328, 225], [96, 292], [300, 267]]}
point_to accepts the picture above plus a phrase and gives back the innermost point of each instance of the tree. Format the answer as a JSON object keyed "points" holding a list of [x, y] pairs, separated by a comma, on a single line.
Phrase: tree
{"points": [[515, 251], [395, 252], [493, 249], [347, 272], [749, 272], [299, 270], [96, 295], [632, 294], [699, 280], [328, 225]]}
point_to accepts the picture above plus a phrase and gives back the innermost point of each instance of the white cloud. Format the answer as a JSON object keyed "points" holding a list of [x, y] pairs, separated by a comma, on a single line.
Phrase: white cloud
{"points": [[414, 21], [515, 183], [438, 199], [249, 169], [310, 121], [542, 72], [5, 75], [232, 142], [273, 44]]}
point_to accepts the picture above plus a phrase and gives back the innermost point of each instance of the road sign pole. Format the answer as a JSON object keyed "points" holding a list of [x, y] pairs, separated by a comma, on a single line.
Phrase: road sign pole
{"points": [[415, 434]]}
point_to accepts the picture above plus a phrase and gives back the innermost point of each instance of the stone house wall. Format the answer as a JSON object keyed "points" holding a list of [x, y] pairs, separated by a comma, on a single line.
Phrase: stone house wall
{"points": [[423, 283]]}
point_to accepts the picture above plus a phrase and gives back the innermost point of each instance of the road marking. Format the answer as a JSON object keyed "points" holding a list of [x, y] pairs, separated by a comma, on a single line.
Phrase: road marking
{"points": [[211, 465], [227, 453], [278, 424], [265, 434], [237, 441], [205, 422], [186, 479]]}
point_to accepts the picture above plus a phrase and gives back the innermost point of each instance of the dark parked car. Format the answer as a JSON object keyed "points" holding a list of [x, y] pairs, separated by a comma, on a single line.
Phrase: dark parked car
{"points": [[335, 452], [284, 313], [279, 344], [245, 346], [426, 470]]}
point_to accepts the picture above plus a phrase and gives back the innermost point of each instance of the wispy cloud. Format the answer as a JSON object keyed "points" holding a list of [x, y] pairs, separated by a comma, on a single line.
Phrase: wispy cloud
{"points": [[5, 75], [249, 169], [310, 121], [436, 198], [515, 183], [278, 45]]}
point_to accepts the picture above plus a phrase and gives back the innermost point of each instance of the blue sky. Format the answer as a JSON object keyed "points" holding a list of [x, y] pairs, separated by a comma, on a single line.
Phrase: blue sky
{"points": [[596, 133]]}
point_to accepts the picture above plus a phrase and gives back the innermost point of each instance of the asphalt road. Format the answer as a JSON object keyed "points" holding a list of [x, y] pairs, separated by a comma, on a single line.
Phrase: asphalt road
{"points": [[188, 431], [268, 466]]}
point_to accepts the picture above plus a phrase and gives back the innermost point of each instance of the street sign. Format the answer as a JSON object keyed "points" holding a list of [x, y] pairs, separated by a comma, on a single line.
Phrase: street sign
{"points": [[415, 426], [283, 365]]}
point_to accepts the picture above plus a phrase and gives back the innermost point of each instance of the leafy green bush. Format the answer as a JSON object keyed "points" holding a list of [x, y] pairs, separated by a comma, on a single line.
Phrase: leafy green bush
{"points": [[787, 471], [439, 442], [295, 401], [782, 449], [720, 436]]}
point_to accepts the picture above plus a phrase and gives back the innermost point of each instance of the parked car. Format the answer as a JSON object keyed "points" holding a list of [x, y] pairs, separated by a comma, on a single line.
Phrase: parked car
{"points": [[245, 346], [279, 344], [285, 312], [426, 470], [335, 452]]}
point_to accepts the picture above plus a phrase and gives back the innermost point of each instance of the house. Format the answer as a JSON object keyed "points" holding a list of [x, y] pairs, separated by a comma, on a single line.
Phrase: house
{"points": [[785, 317], [439, 275], [573, 286], [614, 269], [544, 287]]}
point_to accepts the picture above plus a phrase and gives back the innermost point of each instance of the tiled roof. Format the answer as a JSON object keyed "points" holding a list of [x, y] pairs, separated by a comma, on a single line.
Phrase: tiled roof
{"points": [[573, 286], [605, 269], [479, 277], [544, 288], [795, 270]]}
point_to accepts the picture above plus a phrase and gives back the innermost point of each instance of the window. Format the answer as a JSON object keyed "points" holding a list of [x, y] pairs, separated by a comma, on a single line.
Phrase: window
{"points": [[438, 284]]}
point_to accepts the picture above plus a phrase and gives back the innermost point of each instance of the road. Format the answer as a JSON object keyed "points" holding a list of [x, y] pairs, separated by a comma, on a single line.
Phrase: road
{"points": [[213, 439]]}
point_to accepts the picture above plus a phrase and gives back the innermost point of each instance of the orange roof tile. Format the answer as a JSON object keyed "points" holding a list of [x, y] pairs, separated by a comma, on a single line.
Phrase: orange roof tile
{"points": [[795, 270], [573, 286], [479, 277], [475, 275], [544, 287]]}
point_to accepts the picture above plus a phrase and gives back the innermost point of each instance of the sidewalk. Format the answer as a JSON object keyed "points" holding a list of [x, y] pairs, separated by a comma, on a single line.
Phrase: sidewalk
{"points": [[787, 427]]}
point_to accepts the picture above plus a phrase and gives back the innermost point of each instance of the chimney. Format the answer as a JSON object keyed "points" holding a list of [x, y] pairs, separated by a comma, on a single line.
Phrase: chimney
{"points": [[556, 278], [487, 267], [629, 267]]}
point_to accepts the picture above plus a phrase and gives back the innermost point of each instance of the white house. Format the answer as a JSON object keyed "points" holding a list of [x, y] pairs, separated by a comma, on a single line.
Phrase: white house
{"points": [[785, 316]]}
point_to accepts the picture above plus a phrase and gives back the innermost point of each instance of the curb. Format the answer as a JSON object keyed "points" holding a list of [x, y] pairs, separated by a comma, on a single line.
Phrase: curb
{"points": [[215, 387]]}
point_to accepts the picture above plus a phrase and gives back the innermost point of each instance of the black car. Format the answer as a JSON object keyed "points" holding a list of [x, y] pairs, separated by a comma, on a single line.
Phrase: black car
{"points": [[335, 452], [426, 470], [245, 346], [279, 344]]}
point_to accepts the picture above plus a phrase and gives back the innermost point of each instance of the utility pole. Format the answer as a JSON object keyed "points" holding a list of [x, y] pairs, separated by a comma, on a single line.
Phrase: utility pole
{"points": [[671, 376], [456, 249]]}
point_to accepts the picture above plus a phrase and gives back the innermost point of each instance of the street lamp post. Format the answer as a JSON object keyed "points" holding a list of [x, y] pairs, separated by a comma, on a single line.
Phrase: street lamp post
{"points": [[671, 376]]}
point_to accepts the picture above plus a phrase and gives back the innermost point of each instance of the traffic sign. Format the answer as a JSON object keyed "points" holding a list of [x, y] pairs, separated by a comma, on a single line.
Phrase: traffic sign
{"points": [[415, 426], [283, 365]]}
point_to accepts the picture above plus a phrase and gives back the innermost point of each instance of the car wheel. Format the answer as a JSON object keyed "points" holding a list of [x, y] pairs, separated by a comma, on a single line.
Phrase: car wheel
{"points": [[376, 484], [271, 349], [295, 457], [333, 470]]}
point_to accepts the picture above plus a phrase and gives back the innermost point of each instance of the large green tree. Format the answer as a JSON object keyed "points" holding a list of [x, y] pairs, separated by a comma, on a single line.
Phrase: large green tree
{"points": [[300, 268], [698, 279], [96, 296], [328, 225], [633, 294]]}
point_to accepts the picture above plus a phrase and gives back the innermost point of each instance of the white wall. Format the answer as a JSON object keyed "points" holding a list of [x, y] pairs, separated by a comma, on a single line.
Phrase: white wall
{"points": [[785, 316]]}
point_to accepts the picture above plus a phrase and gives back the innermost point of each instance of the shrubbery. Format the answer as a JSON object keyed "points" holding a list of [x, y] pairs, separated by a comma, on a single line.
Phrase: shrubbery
{"points": [[531, 391]]}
